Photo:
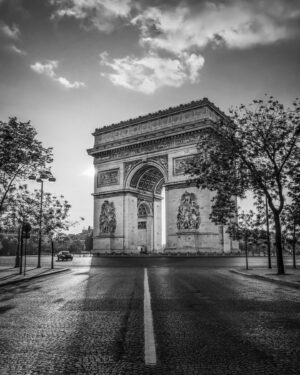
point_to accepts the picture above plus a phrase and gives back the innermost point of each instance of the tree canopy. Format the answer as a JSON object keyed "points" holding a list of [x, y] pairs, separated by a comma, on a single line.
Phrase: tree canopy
{"points": [[255, 149], [21, 154], [24, 206]]}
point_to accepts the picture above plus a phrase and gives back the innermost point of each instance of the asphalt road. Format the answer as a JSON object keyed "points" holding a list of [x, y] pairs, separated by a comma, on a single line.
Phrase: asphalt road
{"points": [[150, 261], [205, 321]]}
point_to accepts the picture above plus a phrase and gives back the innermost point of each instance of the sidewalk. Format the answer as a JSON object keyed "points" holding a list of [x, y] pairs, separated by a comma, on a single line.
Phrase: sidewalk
{"points": [[291, 277], [11, 275]]}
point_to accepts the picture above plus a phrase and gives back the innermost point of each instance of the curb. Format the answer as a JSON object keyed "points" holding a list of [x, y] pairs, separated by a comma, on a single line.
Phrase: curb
{"points": [[181, 256], [34, 277], [269, 279]]}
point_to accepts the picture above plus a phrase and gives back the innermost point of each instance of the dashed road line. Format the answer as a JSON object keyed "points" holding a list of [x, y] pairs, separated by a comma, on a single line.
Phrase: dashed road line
{"points": [[150, 350]]}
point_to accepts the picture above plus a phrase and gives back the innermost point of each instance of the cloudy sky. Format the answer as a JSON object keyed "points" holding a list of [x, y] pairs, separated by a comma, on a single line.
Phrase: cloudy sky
{"points": [[70, 66]]}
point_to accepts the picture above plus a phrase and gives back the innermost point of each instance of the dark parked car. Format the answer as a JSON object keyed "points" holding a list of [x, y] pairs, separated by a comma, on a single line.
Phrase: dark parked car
{"points": [[64, 255]]}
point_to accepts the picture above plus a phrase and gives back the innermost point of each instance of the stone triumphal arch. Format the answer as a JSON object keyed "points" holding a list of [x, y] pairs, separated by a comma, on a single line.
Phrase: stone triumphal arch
{"points": [[133, 161]]}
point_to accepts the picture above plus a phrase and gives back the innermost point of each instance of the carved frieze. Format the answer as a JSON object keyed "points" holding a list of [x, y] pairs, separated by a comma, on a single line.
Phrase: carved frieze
{"points": [[188, 216], [128, 167], [107, 219], [146, 147], [157, 124], [180, 164], [162, 160], [109, 177]]}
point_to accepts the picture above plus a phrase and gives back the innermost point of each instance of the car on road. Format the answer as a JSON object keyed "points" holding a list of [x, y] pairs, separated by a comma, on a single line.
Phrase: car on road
{"points": [[64, 255]]}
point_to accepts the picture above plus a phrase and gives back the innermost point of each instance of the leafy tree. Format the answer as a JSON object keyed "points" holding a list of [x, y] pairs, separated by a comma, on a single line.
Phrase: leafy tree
{"points": [[244, 228], [89, 241], [9, 245], [55, 221], [264, 219], [20, 154], [76, 246], [21, 207], [24, 206], [54, 218], [254, 150], [291, 226], [62, 241], [291, 213]]}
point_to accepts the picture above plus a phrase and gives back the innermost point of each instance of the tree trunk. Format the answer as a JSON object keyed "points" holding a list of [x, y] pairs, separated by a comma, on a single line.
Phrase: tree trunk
{"points": [[278, 237], [294, 245], [25, 254], [21, 253], [52, 254], [268, 235], [246, 252], [17, 260]]}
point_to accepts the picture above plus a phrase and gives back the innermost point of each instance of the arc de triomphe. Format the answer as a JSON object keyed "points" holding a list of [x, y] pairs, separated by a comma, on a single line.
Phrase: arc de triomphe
{"points": [[133, 160]]}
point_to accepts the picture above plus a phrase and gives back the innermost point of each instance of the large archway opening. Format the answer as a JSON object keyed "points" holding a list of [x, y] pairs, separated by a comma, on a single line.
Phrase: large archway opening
{"points": [[148, 182]]}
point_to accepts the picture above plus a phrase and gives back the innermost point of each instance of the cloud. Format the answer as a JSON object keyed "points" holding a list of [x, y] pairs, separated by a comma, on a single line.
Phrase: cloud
{"points": [[17, 50], [11, 32], [49, 68], [103, 15], [183, 32], [149, 73], [234, 24], [70, 85], [174, 38]]}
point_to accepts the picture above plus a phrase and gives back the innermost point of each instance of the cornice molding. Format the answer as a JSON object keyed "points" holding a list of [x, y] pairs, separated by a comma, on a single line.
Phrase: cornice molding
{"points": [[179, 185], [123, 192], [106, 235], [155, 145]]}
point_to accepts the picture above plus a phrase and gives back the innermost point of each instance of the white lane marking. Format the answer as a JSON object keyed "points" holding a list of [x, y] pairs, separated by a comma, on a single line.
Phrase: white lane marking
{"points": [[150, 350]]}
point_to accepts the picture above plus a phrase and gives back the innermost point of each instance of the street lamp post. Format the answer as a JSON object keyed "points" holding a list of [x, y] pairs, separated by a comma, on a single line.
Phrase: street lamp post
{"points": [[40, 223], [41, 177]]}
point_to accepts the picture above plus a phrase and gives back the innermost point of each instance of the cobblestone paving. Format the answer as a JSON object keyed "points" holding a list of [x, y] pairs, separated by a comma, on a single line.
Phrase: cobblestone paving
{"points": [[225, 325], [206, 322]]}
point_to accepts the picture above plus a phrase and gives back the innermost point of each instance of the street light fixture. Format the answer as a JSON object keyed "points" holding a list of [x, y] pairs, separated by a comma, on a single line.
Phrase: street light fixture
{"points": [[41, 177]]}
